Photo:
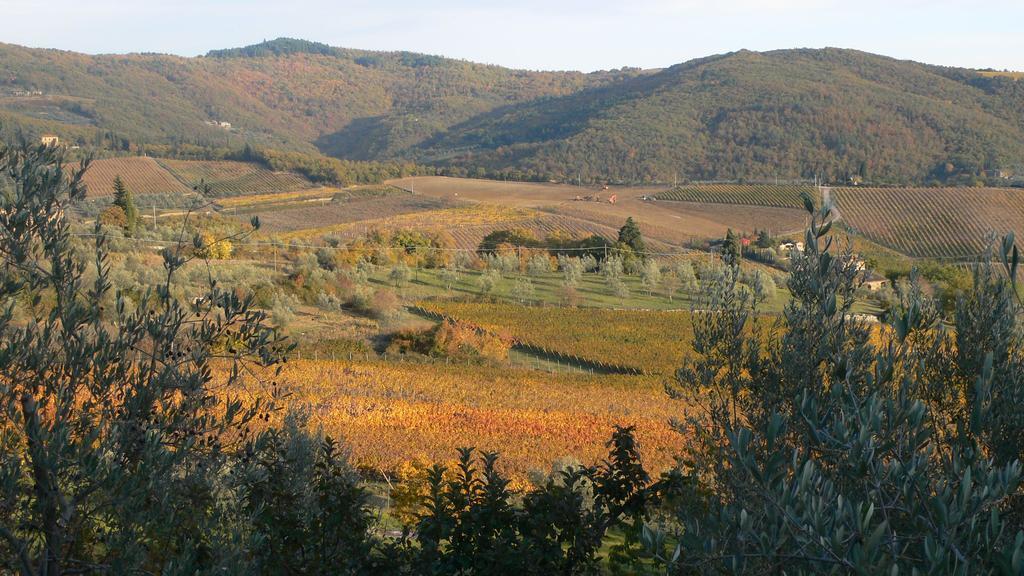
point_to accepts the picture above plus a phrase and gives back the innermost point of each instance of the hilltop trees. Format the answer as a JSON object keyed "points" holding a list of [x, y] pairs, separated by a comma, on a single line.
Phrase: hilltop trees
{"points": [[629, 131]]}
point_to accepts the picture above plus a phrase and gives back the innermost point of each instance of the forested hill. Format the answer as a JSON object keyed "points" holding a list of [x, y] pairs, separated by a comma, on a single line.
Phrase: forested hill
{"points": [[788, 113], [287, 94]]}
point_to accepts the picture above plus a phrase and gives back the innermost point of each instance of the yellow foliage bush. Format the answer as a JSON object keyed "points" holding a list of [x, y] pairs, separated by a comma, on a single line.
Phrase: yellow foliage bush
{"points": [[215, 249]]}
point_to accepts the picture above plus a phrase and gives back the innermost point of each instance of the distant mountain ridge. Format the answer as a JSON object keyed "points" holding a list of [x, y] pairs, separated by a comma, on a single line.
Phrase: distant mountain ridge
{"points": [[838, 114]]}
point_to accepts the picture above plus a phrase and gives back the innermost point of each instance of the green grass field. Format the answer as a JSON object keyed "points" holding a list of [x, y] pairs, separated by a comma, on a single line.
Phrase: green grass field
{"points": [[592, 291]]}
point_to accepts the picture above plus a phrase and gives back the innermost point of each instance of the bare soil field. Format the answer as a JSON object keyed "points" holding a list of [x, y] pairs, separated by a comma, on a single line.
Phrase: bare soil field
{"points": [[543, 225], [743, 218], [301, 217], [669, 222]]}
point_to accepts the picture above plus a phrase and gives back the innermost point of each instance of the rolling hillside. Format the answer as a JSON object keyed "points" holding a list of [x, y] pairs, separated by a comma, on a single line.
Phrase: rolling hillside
{"points": [[286, 94], [747, 115], [744, 115]]}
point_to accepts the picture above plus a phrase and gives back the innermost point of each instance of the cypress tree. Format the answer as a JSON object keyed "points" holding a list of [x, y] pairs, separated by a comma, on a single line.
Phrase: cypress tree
{"points": [[629, 235], [731, 249], [124, 200]]}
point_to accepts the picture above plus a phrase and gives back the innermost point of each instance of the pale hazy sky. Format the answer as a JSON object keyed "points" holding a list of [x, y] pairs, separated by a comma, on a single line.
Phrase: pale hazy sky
{"points": [[536, 34]]}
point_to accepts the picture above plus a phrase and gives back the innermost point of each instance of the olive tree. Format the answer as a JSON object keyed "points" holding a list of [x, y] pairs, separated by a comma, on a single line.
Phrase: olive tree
{"points": [[822, 444], [118, 444]]}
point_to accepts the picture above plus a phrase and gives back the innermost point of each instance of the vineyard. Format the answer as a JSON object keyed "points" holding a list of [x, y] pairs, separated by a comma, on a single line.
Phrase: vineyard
{"points": [[781, 196], [672, 223], [227, 178], [467, 224], [338, 216], [649, 341], [541, 226], [296, 198], [742, 217], [451, 219], [931, 222], [600, 215], [143, 176], [392, 413]]}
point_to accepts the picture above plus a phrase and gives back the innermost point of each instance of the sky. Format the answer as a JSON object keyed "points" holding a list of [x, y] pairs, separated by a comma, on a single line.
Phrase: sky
{"points": [[536, 34]]}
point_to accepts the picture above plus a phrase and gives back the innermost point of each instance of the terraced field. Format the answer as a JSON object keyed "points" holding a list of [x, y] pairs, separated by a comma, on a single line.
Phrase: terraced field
{"points": [[297, 196], [445, 218], [143, 176], [932, 222], [781, 196], [226, 178]]}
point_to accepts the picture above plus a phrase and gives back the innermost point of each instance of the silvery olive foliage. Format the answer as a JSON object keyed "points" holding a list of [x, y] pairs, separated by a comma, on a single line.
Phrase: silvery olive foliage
{"points": [[120, 452], [827, 445]]}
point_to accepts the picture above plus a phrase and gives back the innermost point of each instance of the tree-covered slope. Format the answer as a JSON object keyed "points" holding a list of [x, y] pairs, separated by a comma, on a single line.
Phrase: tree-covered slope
{"points": [[790, 113], [745, 115], [284, 93]]}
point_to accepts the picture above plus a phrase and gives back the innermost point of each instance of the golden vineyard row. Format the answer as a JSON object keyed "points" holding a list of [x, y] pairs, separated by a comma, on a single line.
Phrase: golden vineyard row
{"points": [[393, 414]]}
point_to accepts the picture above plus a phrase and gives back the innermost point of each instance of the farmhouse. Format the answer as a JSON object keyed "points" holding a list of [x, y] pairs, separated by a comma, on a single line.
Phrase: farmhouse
{"points": [[787, 247], [874, 282], [218, 124]]}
